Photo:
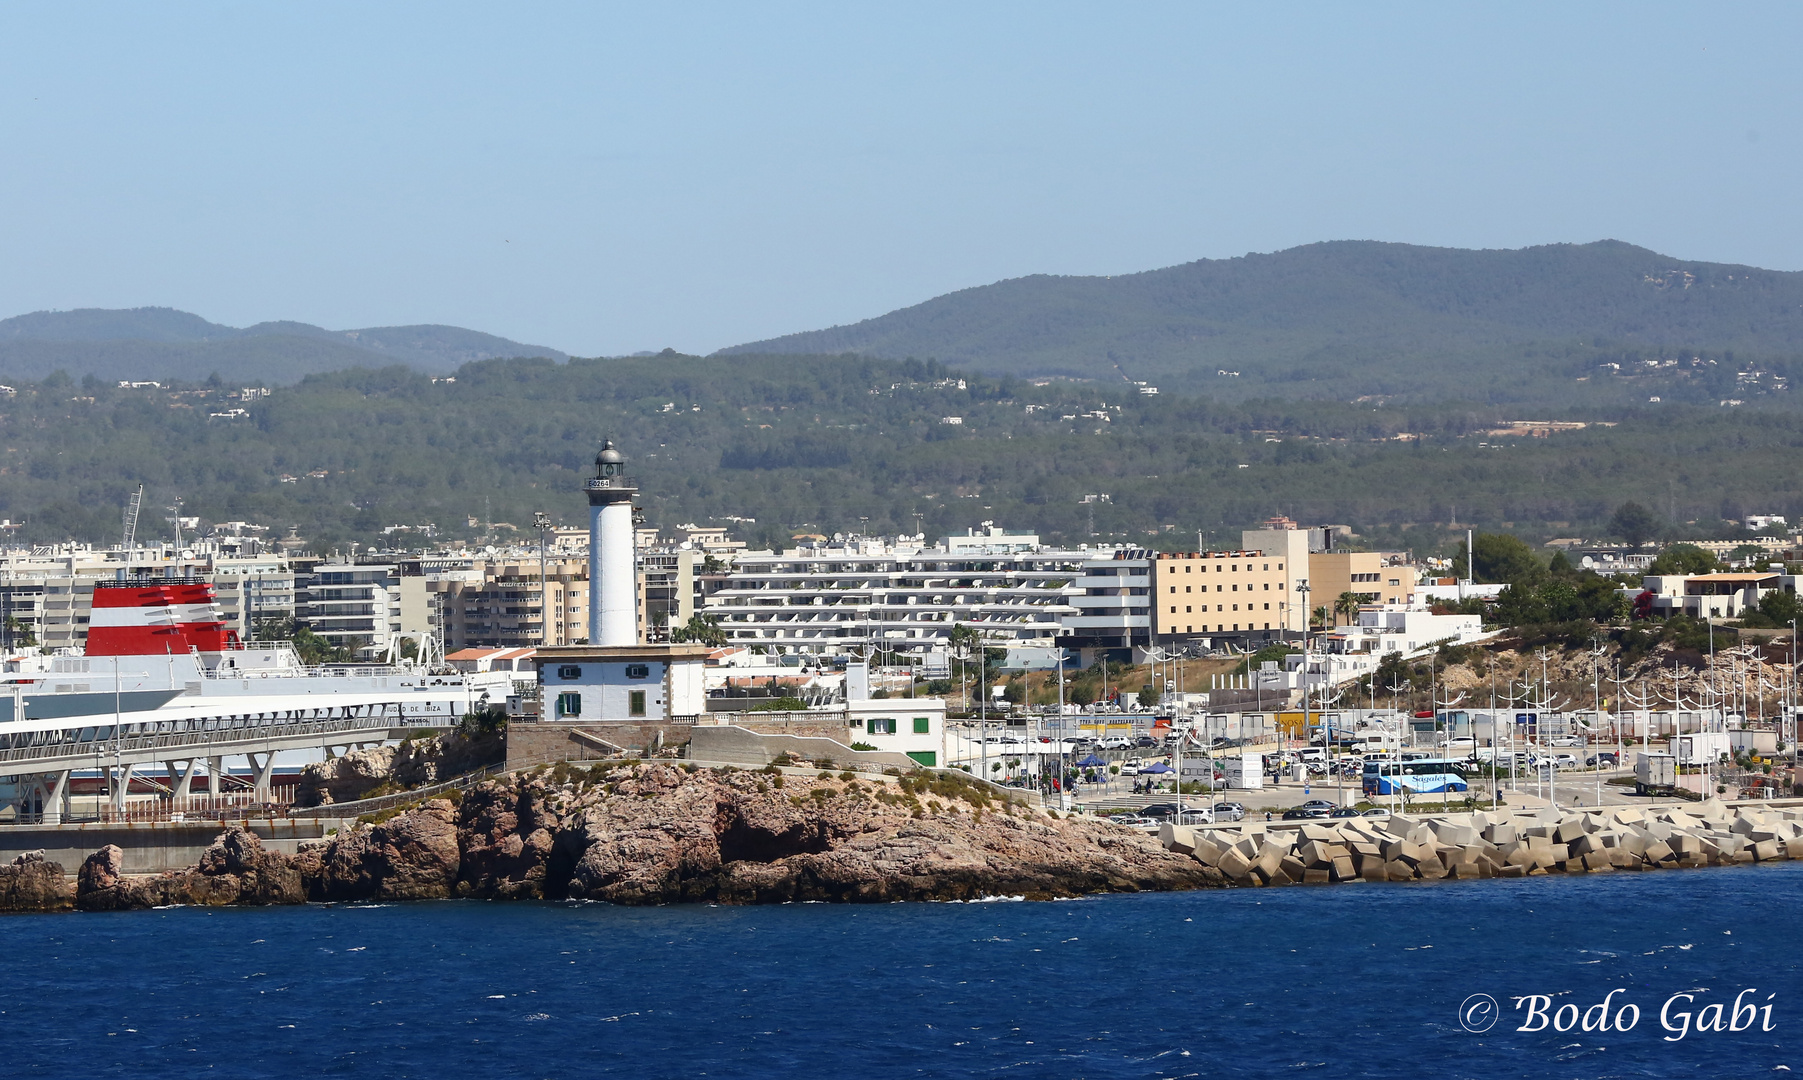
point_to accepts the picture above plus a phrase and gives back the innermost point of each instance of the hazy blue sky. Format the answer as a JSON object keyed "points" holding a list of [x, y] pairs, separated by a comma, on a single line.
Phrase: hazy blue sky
{"points": [[613, 178]]}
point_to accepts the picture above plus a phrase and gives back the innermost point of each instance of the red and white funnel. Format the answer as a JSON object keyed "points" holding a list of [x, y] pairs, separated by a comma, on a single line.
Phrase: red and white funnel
{"points": [[155, 617]]}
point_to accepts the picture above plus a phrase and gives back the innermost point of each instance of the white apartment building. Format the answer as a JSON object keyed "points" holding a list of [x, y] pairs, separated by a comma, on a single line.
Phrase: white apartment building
{"points": [[869, 594], [1113, 598]]}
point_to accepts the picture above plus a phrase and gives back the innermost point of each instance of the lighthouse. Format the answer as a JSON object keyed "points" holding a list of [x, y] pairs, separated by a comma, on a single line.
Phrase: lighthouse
{"points": [[612, 576], [657, 691]]}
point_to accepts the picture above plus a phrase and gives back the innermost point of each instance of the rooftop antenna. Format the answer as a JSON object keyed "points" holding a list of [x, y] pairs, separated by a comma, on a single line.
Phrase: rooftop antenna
{"points": [[132, 506], [176, 521]]}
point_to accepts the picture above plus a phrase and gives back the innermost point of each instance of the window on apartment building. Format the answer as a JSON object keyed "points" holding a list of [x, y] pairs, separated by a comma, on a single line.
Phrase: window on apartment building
{"points": [[1267, 566], [880, 725], [1236, 588], [638, 671], [1267, 586], [1395, 581], [1219, 608], [1185, 589], [569, 671], [1186, 610], [922, 726], [1220, 588], [1267, 607], [569, 705], [635, 703], [1173, 609]]}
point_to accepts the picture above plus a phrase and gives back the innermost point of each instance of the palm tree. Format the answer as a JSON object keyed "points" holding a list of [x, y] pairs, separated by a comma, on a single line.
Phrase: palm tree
{"points": [[1320, 618], [1347, 605]]}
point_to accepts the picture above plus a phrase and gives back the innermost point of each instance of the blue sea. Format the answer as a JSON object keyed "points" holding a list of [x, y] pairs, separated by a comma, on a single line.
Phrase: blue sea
{"points": [[1354, 980]]}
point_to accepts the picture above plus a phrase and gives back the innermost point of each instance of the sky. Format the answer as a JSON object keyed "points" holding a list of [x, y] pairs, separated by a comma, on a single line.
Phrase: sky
{"points": [[607, 178]]}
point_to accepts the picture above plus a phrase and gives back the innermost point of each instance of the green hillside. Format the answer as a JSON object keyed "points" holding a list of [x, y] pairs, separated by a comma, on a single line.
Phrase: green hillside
{"points": [[162, 344], [1355, 319], [829, 444]]}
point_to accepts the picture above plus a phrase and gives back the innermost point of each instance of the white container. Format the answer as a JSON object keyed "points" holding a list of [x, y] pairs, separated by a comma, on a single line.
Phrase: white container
{"points": [[1656, 770], [1701, 748], [1244, 772]]}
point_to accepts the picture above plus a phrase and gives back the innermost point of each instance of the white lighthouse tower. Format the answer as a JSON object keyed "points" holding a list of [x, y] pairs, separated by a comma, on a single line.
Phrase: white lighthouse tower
{"points": [[642, 696], [612, 575]]}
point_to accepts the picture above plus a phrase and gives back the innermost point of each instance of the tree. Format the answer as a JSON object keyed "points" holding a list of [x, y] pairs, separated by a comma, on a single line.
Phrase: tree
{"points": [[1780, 607], [1500, 558], [700, 630], [1148, 696], [483, 720], [1684, 559], [968, 637], [1634, 523], [1347, 604]]}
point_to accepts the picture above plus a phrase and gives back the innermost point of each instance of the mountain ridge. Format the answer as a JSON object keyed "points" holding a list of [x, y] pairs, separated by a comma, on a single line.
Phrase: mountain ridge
{"points": [[1346, 316], [160, 342]]}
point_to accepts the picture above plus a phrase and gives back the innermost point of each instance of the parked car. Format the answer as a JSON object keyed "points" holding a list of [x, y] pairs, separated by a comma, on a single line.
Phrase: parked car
{"points": [[1131, 766], [1565, 740], [1136, 821], [1160, 811], [1318, 804], [1606, 761], [1145, 742], [1304, 813], [1564, 761], [1376, 812], [1346, 811], [1229, 811], [1196, 815]]}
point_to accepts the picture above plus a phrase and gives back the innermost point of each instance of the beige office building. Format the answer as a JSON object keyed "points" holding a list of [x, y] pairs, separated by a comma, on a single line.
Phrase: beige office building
{"points": [[1244, 593], [1365, 574]]}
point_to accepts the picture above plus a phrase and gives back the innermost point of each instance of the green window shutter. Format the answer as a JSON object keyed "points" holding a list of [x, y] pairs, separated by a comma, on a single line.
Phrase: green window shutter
{"points": [[569, 705], [922, 726], [636, 703]]}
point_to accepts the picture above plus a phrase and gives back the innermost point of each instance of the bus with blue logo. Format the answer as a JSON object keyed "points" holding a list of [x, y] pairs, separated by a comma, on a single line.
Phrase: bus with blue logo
{"points": [[1421, 776]]}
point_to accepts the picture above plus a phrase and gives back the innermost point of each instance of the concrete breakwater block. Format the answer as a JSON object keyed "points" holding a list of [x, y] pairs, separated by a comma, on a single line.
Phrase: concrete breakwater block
{"points": [[1494, 844]]}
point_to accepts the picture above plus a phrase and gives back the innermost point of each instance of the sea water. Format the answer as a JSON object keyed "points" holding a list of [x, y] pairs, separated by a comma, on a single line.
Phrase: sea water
{"points": [[1350, 980]]}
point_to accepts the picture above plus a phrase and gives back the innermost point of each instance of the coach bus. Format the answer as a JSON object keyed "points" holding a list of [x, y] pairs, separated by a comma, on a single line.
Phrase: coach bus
{"points": [[1421, 776]]}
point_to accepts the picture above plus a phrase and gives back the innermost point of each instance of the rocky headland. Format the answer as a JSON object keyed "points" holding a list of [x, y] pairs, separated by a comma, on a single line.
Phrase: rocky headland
{"points": [[652, 833]]}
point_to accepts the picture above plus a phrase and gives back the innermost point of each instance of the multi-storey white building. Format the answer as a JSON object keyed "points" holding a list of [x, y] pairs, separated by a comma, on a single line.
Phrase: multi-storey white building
{"points": [[1113, 601], [862, 594]]}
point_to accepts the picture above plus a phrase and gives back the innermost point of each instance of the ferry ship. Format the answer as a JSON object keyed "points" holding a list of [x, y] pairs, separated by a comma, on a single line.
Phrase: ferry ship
{"points": [[163, 679]]}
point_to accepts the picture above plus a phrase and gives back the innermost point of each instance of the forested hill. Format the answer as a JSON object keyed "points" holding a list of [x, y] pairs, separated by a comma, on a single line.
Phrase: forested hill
{"points": [[162, 344], [842, 443], [1354, 318]]}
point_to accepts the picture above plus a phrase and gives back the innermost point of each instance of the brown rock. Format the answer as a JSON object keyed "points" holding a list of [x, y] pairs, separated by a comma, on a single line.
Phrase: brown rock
{"points": [[31, 883]]}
